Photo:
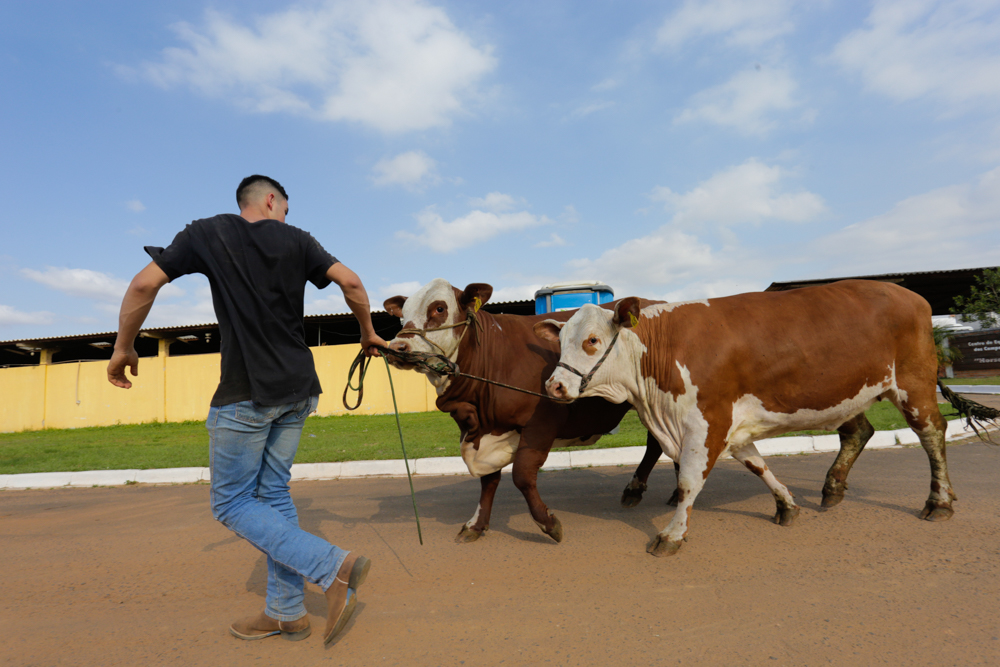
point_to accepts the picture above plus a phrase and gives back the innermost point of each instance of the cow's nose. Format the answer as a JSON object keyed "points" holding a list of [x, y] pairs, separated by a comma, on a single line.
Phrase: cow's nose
{"points": [[556, 389], [399, 346]]}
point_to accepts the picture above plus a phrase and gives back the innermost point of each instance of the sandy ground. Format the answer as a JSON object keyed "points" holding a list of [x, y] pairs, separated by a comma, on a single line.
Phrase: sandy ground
{"points": [[142, 575]]}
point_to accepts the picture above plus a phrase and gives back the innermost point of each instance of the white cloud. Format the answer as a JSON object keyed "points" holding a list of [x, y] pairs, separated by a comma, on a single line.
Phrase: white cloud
{"points": [[404, 289], [593, 107], [554, 241], [10, 316], [673, 263], [331, 303], [393, 65], [947, 228], [746, 23], [515, 293], [474, 227], [747, 193], [947, 51], [665, 257], [88, 284], [135, 206], [496, 202], [80, 283], [413, 170], [170, 309], [747, 102], [604, 86]]}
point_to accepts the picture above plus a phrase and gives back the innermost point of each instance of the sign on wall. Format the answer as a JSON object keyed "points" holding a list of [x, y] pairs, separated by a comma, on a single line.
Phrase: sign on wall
{"points": [[980, 351]]}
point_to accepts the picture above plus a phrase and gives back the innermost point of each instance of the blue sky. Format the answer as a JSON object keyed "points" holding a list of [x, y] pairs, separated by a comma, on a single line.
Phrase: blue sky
{"points": [[674, 150]]}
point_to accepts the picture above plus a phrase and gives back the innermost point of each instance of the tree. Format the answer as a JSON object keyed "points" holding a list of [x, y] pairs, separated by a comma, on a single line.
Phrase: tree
{"points": [[983, 302], [946, 355]]}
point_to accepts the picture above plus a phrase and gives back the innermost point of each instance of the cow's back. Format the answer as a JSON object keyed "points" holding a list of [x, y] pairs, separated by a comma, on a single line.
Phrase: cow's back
{"points": [[801, 349]]}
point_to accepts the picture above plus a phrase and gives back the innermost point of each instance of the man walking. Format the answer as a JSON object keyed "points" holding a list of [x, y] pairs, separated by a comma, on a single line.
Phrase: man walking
{"points": [[258, 266]]}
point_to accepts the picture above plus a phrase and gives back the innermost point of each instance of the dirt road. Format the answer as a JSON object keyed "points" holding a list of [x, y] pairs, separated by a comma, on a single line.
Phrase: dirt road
{"points": [[144, 576]]}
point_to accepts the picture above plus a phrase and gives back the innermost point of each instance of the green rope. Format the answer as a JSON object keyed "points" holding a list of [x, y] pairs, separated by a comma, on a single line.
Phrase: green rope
{"points": [[399, 428], [363, 361]]}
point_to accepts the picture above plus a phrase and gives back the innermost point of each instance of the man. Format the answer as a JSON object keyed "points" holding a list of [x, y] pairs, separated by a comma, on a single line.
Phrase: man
{"points": [[257, 266]]}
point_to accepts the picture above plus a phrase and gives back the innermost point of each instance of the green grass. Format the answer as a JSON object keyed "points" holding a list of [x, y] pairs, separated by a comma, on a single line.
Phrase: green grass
{"points": [[344, 438], [990, 380]]}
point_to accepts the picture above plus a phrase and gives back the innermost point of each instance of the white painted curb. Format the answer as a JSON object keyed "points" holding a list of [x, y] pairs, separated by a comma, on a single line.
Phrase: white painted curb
{"points": [[448, 465]]}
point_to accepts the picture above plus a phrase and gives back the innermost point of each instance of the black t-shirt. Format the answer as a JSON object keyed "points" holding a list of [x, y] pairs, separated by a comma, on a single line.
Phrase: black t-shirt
{"points": [[258, 272]]}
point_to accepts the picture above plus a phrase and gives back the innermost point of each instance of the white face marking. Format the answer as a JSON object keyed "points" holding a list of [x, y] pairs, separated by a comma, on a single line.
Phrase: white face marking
{"points": [[590, 322], [415, 312], [495, 451], [657, 308]]}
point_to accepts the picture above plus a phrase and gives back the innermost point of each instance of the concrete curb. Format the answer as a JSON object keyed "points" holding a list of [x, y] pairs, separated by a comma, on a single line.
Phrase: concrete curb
{"points": [[447, 465]]}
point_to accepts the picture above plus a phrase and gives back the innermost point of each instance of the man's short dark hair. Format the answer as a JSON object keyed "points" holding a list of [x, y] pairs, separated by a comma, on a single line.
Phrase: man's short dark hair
{"points": [[252, 186]]}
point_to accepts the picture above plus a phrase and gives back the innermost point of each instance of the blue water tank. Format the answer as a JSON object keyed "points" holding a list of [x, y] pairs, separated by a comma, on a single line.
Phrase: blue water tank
{"points": [[567, 296]]}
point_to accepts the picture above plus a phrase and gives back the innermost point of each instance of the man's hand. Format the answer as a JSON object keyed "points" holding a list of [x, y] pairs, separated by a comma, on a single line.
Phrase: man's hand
{"points": [[368, 341], [116, 367]]}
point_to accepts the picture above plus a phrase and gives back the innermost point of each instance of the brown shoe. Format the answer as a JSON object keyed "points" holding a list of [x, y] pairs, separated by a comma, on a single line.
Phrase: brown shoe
{"points": [[342, 596], [262, 625]]}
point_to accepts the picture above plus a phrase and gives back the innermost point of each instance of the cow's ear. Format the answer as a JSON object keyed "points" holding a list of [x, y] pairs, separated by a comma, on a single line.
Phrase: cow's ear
{"points": [[475, 295], [627, 312], [548, 330], [394, 306]]}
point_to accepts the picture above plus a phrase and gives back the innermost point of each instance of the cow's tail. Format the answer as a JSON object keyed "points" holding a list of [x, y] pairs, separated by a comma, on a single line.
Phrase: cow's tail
{"points": [[978, 417]]}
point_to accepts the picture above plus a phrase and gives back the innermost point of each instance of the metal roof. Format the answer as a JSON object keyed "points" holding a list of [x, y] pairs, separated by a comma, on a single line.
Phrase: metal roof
{"points": [[309, 319], [939, 287]]}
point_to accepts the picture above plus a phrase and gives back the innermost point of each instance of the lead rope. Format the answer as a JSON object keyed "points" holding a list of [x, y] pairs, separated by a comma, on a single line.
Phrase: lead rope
{"points": [[363, 361], [413, 496]]}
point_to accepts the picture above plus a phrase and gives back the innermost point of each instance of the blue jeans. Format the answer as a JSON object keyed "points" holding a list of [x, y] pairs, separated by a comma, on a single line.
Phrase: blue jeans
{"points": [[251, 451]]}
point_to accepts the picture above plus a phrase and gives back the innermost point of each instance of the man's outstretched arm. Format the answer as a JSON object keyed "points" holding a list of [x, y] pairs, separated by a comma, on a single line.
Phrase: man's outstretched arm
{"points": [[135, 307], [357, 301]]}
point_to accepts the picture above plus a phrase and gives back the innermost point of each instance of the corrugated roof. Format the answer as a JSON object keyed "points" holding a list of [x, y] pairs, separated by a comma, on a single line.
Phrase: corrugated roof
{"points": [[190, 327]]}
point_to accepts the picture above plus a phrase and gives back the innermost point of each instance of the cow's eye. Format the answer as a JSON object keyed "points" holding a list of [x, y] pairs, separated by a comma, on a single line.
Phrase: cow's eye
{"points": [[593, 340], [440, 309]]}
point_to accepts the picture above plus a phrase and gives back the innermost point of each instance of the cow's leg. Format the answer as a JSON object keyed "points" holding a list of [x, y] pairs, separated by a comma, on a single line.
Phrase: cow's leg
{"points": [[697, 459], [527, 462], [677, 475], [475, 527], [632, 495], [925, 419], [787, 509], [854, 435]]}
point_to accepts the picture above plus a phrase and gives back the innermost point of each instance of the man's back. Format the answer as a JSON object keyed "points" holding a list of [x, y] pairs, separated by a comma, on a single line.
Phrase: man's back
{"points": [[257, 271]]}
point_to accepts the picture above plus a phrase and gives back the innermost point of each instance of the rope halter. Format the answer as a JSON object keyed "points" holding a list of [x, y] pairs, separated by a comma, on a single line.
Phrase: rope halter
{"points": [[470, 318], [586, 378]]}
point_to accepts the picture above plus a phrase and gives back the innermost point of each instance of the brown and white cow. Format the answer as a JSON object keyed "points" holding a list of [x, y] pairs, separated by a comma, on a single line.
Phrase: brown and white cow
{"points": [[499, 426], [708, 378]]}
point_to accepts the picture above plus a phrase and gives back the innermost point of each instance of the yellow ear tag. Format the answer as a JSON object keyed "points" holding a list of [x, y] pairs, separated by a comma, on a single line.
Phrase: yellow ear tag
{"points": [[478, 305], [633, 318]]}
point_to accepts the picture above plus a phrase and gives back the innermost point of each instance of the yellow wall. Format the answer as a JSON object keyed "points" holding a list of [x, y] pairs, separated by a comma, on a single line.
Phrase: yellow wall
{"points": [[190, 384], [175, 389], [22, 398]]}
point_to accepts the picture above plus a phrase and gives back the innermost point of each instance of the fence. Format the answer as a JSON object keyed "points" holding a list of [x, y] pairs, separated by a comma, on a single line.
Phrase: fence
{"points": [[174, 389]]}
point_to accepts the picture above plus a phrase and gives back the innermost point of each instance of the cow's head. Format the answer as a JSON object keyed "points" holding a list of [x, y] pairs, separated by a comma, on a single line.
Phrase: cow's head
{"points": [[584, 341], [434, 305]]}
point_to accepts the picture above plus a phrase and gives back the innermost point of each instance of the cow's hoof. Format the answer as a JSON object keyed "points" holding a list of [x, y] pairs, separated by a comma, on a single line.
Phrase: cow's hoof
{"points": [[675, 498], [631, 497], [831, 499], [661, 547], [786, 515], [934, 511], [556, 531], [468, 535]]}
